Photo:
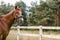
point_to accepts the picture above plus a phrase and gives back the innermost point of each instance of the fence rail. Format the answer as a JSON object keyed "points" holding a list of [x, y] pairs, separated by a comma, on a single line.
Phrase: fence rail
{"points": [[40, 31], [36, 27]]}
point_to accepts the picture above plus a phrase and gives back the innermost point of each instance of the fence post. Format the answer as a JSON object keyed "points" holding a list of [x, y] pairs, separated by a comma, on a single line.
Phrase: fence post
{"points": [[18, 33], [40, 33]]}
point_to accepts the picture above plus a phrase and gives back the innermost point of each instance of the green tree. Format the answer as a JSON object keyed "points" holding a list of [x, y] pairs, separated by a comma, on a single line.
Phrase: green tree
{"points": [[42, 15], [55, 7], [4, 9]]}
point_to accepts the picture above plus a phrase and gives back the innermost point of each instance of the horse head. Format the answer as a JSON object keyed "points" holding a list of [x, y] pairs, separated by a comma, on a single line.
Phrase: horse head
{"points": [[18, 14]]}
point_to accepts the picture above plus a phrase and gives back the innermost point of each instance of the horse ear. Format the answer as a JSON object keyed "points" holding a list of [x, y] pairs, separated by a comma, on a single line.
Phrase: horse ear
{"points": [[15, 7]]}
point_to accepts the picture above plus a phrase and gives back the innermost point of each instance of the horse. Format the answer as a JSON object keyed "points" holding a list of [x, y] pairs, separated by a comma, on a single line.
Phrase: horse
{"points": [[7, 20]]}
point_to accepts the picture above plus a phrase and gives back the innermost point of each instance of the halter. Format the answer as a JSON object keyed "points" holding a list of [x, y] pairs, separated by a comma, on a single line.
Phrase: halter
{"points": [[17, 19]]}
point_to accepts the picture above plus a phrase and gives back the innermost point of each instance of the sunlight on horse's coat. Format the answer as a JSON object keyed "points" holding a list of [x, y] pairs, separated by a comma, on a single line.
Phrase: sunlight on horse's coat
{"points": [[7, 20]]}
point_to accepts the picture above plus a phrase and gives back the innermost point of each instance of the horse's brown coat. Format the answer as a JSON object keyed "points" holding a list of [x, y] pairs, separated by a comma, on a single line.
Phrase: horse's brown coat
{"points": [[6, 22]]}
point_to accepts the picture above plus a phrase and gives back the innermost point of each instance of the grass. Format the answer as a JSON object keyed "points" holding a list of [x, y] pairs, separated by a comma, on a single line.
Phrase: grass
{"points": [[30, 31], [12, 36], [52, 32]]}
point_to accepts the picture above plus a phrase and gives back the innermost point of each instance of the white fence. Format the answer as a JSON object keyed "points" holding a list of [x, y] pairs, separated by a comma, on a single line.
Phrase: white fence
{"points": [[40, 32]]}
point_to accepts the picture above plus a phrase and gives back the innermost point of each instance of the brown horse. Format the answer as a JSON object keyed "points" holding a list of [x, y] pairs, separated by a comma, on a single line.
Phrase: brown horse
{"points": [[7, 20]]}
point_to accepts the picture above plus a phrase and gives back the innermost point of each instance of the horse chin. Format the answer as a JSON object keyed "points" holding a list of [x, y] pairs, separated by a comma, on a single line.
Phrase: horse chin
{"points": [[20, 21]]}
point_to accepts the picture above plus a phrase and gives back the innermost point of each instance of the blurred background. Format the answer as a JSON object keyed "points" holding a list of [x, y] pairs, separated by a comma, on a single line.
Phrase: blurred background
{"points": [[35, 12]]}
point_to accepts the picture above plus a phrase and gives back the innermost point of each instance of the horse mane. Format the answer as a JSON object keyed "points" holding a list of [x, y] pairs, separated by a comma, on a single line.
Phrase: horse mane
{"points": [[9, 13], [8, 18]]}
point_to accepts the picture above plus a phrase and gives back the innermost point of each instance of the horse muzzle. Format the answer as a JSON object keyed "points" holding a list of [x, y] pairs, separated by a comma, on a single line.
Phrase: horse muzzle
{"points": [[21, 20]]}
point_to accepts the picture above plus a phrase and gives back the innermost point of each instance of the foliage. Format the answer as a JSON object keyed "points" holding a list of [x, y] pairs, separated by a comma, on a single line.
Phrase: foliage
{"points": [[4, 9], [56, 8], [41, 15]]}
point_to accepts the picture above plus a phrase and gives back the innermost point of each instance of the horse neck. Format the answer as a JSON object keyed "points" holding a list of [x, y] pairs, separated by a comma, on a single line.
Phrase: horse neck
{"points": [[9, 18]]}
